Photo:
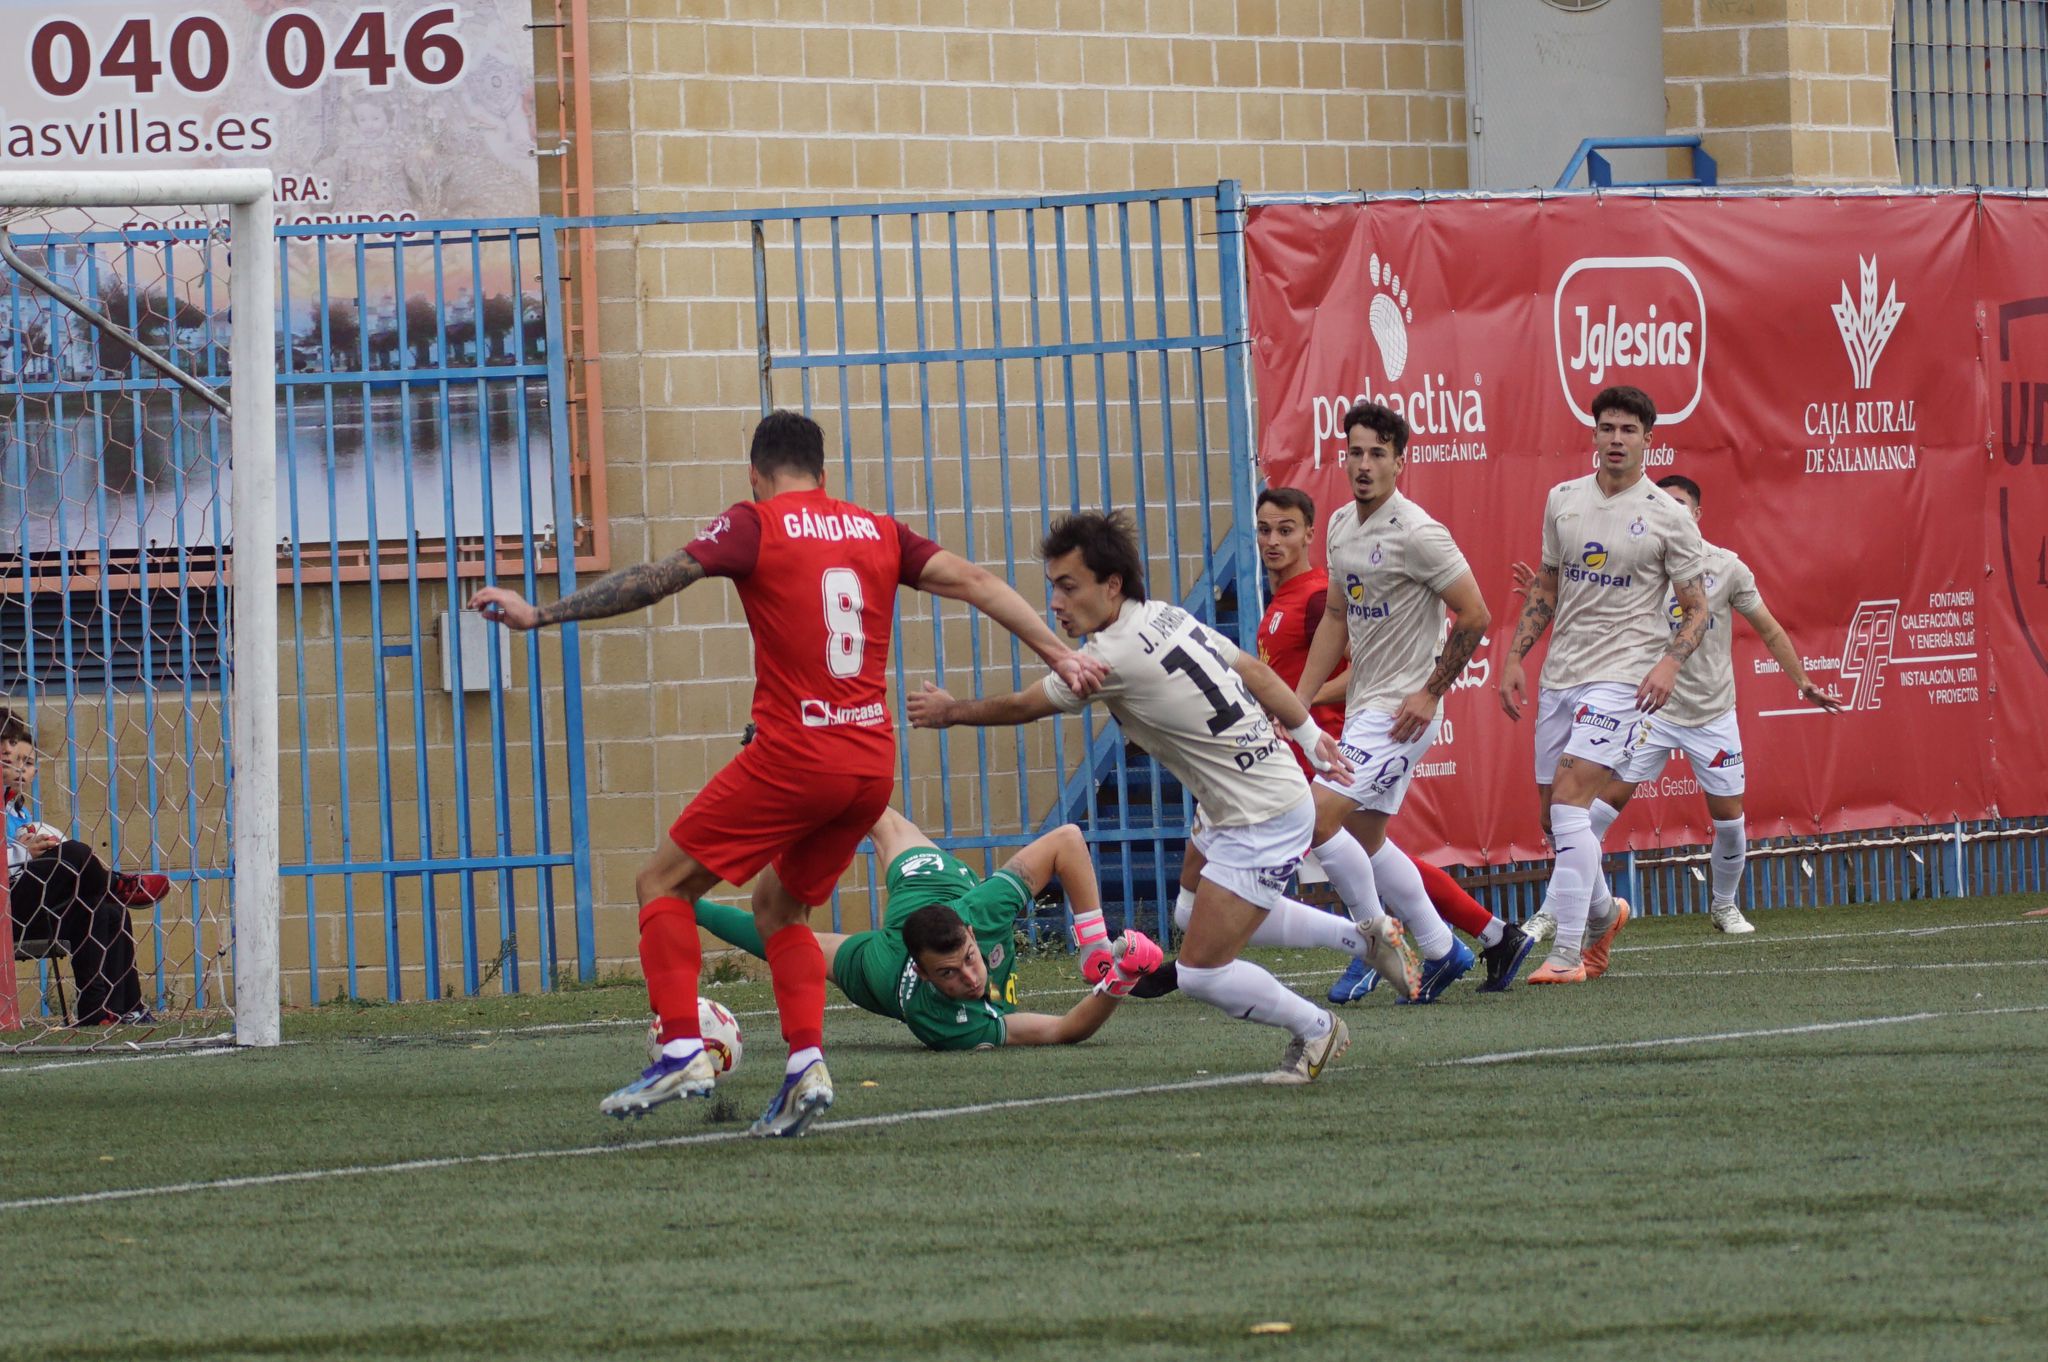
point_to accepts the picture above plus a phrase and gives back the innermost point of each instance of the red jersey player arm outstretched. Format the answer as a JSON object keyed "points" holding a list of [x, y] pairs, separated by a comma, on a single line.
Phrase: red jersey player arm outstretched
{"points": [[948, 574], [621, 593]]}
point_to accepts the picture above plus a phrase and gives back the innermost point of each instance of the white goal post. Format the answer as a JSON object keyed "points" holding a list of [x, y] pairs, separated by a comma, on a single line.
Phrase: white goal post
{"points": [[252, 416]]}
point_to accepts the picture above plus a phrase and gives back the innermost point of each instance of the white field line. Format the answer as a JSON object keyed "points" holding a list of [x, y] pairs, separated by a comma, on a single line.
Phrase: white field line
{"points": [[1714, 942], [631, 1146], [1822, 969], [89, 1059], [1811, 1028], [941, 1113]]}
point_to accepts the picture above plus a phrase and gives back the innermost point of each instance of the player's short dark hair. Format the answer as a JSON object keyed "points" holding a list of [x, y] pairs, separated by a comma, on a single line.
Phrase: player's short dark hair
{"points": [[788, 440], [1683, 484], [1289, 499], [933, 929], [13, 730], [1384, 422], [1634, 401], [1108, 545]]}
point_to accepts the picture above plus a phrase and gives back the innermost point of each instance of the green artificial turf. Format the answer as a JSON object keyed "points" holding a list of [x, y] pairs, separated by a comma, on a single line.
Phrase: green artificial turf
{"points": [[1862, 1192]]}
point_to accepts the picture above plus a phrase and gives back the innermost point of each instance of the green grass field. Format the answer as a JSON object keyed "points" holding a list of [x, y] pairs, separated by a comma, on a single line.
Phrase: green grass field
{"points": [[1839, 1151]]}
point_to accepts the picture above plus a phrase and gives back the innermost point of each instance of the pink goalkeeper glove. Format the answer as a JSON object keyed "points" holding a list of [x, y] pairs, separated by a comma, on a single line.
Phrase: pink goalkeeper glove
{"points": [[1136, 955]]}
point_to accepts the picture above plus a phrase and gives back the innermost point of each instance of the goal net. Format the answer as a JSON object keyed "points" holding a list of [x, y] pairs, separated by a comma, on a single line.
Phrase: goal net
{"points": [[138, 631]]}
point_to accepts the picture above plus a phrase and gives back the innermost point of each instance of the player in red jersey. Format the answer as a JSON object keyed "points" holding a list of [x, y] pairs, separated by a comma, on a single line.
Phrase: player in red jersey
{"points": [[1287, 531], [817, 578]]}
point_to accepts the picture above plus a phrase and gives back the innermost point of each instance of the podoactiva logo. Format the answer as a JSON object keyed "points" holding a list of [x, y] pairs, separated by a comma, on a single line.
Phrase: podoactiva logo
{"points": [[1636, 320]]}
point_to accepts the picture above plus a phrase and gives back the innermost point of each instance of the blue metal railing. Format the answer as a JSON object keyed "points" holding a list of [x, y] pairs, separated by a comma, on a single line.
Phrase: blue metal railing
{"points": [[1600, 172], [1125, 377], [1970, 92]]}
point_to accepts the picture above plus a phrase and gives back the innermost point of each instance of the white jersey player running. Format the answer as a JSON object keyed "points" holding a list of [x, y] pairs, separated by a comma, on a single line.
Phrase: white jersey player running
{"points": [[1700, 720], [1614, 547], [1394, 571], [1199, 705]]}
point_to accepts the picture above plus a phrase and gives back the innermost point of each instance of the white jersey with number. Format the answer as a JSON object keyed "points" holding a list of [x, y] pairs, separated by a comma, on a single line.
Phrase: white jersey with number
{"points": [[1173, 688], [1616, 558], [1391, 570], [1706, 683]]}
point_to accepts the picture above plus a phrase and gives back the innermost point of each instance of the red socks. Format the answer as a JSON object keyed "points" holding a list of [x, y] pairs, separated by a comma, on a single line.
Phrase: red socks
{"points": [[1450, 900], [672, 957], [796, 965]]}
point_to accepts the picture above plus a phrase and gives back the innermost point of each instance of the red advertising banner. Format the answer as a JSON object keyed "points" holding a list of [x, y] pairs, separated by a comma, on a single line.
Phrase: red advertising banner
{"points": [[1858, 384]]}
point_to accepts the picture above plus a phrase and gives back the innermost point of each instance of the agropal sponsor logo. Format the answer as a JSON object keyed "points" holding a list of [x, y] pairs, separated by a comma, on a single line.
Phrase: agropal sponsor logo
{"points": [[1863, 434], [1446, 413], [1635, 320]]}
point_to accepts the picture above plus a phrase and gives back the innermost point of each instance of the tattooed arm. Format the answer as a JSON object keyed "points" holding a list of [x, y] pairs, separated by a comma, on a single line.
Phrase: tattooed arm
{"points": [[1469, 622], [1537, 613], [1655, 691], [624, 591]]}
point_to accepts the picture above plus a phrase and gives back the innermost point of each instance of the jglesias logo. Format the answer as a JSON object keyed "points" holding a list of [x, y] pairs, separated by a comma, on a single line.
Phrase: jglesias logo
{"points": [[1593, 558], [1638, 320], [1445, 413]]}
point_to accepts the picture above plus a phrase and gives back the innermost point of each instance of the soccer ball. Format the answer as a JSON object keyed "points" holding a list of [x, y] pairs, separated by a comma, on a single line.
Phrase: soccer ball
{"points": [[718, 1026]]}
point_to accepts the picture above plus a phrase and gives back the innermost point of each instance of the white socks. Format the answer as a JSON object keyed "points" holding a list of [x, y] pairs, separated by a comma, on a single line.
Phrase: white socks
{"points": [[1294, 925], [1402, 883], [1248, 993], [799, 1058], [1571, 879], [1351, 874], [1602, 902], [1731, 854]]}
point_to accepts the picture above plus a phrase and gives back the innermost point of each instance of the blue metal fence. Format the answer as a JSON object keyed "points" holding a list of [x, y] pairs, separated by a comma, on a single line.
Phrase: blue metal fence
{"points": [[1058, 353], [419, 452]]}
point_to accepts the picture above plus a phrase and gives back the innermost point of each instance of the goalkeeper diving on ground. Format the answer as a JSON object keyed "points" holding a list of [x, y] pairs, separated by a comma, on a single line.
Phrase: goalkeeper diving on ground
{"points": [[941, 961]]}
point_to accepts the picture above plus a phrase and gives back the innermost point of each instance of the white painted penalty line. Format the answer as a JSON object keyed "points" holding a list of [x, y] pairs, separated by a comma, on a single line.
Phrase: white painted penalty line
{"points": [[1811, 1028], [89, 1060], [939, 1113], [632, 1146], [1720, 942]]}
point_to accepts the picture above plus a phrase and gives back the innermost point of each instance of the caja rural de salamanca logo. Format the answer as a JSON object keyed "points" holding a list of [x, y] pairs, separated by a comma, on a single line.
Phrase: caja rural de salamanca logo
{"points": [[1638, 320]]}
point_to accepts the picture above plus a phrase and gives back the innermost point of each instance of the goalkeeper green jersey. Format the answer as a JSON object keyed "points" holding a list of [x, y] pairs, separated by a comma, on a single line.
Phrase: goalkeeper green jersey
{"points": [[874, 968]]}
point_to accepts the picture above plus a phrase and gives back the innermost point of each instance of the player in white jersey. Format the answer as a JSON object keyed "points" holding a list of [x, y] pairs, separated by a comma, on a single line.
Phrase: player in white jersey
{"points": [[1199, 705], [1700, 720], [1394, 571], [1614, 547]]}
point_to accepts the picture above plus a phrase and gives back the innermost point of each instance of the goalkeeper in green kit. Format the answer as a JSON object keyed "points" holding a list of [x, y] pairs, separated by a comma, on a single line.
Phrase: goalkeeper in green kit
{"points": [[941, 961]]}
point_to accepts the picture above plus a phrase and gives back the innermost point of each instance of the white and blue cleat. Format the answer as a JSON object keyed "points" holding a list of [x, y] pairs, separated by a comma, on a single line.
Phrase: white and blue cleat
{"points": [[1440, 973], [804, 1096], [665, 1080], [1357, 980]]}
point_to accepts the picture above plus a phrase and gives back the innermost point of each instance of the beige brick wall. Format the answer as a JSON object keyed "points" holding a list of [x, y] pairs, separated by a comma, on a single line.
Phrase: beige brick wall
{"points": [[1784, 91]]}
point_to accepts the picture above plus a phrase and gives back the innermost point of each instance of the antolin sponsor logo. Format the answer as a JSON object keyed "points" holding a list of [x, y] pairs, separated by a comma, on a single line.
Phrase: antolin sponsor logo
{"points": [[1639, 320]]}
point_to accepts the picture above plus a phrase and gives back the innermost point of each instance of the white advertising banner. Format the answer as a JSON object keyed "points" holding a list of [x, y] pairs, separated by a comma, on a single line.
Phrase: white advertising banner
{"points": [[416, 110]]}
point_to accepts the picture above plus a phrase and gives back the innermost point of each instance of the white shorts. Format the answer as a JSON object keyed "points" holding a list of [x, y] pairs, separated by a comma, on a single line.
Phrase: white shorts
{"points": [[1714, 748], [1384, 767], [1597, 722], [1256, 861]]}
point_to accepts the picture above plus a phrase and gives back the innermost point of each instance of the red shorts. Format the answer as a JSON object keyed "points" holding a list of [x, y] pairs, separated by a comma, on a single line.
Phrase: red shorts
{"points": [[805, 821]]}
